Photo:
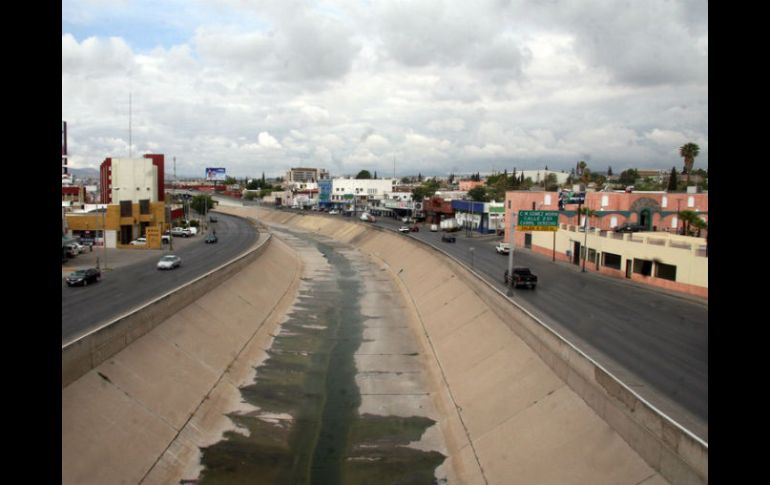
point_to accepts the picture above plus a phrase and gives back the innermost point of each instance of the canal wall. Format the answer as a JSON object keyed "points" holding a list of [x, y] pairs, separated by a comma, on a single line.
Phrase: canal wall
{"points": [[521, 404], [142, 412]]}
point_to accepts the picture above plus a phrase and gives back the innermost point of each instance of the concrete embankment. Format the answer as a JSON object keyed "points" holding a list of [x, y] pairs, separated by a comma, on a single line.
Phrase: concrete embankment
{"points": [[515, 404], [143, 412], [521, 404]]}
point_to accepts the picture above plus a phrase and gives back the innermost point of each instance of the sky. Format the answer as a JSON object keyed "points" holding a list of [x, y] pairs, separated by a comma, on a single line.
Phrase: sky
{"points": [[433, 87]]}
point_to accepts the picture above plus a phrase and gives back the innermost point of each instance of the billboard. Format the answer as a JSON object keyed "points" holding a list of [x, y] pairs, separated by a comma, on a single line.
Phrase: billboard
{"points": [[215, 173]]}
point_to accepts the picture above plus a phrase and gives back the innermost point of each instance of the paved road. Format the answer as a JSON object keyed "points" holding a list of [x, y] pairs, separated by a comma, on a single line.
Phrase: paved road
{"points": [[134, 279], [656, 342]]}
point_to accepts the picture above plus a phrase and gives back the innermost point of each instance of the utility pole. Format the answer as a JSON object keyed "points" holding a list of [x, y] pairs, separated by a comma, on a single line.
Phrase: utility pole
{"points": [[512, 243]]}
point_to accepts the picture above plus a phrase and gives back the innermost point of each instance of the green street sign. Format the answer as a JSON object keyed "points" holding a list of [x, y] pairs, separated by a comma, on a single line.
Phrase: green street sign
{"points": [[538, 221]]}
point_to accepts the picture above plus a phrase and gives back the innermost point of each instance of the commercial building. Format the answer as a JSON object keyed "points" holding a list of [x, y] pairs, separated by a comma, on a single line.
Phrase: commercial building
{"points": [[306, 175], [133, 179], [118, 224], [658, 256]]}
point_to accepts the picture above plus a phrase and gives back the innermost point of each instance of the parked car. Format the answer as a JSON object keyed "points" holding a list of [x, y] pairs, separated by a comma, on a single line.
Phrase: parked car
{"points": [[191, 231], [521, 277], [503, 248], [630, 228], [140, 241], [165, 239], [72, 250], [82, 277], [434, 227], [404, 229], [448, 238], [179, 231], [169, 261], [211, 239], [333, 212]]}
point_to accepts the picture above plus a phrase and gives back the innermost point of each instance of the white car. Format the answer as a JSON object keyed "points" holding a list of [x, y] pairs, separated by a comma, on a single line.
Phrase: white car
{"points": [[333, 212], [403, 229], [503, 248], [169, 261], [140, 241]]}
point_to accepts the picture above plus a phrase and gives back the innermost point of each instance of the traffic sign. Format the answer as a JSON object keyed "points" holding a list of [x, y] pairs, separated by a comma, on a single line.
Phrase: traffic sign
{"points": [[538, 221]]}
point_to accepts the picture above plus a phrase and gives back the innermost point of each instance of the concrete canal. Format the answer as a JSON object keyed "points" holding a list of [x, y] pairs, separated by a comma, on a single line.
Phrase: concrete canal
{"points": [[342, 397]]}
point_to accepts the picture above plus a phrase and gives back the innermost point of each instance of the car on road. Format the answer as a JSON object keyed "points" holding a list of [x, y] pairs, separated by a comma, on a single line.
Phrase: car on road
{"points": [[169, 261], [212, 218], [630, 228], [72, 249], [333, 212], [522, 277], [211, 239], [434, 227], [503, 248], [180, 231], [404, 229], [82, 277], [448, 238], [140, 241], [165, 239]]}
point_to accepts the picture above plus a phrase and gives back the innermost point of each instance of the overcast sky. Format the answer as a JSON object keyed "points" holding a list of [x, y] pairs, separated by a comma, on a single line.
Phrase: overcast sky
{"points": [[439, 87]]}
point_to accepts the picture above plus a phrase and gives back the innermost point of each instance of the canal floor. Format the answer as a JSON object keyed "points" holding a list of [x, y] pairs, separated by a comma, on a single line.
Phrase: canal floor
{"points": [[342, 397]]}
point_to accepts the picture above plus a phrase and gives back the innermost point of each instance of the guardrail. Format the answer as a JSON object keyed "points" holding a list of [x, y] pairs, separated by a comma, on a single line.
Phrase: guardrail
{"points": [[88, 351]]}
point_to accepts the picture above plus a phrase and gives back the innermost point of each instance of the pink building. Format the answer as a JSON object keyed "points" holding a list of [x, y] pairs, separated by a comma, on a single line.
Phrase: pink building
{"points": [[656, 211], [466, 185]]}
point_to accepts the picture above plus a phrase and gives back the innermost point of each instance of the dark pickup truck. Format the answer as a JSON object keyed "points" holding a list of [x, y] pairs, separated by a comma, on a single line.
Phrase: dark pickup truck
{"points": [[522, 277]]}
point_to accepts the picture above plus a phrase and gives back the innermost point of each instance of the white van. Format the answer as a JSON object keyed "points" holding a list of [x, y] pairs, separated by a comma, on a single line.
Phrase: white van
{"points": [[433, 227]]}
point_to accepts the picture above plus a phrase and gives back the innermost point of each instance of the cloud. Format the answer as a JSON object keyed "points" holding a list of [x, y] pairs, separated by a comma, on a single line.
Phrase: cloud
{"points": [[433, 84], [267, 141]]}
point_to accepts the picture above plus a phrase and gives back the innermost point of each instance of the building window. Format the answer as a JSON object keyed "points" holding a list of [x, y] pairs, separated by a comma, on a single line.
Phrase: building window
{"points": [[144, 206], [643, 267], [664, 202], [605, 200], [125, 208], [665, 271], [610, 260], [690, 201]]}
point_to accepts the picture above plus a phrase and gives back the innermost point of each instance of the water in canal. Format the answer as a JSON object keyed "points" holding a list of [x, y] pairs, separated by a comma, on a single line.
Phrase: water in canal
{"points": [[307, 429]]}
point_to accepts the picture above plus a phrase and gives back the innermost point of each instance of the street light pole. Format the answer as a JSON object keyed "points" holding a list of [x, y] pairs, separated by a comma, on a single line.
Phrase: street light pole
{"points": [[511, 243], [585, 240]]}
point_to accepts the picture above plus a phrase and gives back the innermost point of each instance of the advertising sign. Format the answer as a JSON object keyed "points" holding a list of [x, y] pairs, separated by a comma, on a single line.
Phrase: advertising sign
{"points": [[568, 197], [538, 221], [215, 173]]}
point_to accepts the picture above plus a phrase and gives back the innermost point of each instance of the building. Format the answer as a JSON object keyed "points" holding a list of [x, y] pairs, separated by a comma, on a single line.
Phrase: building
{"points": [[355, 194], [659, 256], [133, 179], [537, 176], [467, 185], [306, 175], [118, 224], [66, 177]]}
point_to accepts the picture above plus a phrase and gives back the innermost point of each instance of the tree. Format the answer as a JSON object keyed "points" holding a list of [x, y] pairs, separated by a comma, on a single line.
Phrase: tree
{"points": [[551, 182], [451, 179], [364, 174], [688, 151], [580, 167], [628, 177], [478, 194], [672, 181], [202, 204], [375, 174], [609, 171], [691, 218], [406, 180], [230, 180]]}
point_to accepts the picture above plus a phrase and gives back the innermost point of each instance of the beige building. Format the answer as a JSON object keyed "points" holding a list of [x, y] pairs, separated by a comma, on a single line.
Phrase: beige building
{"points": [[120, 224]]}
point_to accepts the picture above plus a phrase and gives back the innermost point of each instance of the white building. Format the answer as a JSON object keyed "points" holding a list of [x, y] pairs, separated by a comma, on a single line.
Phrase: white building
{"points": [[359, 191], [539, 175], [134, 179]]}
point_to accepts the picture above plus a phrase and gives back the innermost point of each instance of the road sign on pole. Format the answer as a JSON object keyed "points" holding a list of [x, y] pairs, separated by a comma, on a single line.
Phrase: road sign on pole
{"points": [[538, 221]]}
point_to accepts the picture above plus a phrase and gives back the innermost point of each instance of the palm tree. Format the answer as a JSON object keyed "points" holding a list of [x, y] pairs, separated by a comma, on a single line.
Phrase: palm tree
{"points": [[689, 151], [691, 218]]}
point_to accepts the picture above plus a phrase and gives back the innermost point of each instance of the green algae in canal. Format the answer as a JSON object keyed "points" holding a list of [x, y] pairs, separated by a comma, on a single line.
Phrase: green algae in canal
{"points": [[310, 375]]}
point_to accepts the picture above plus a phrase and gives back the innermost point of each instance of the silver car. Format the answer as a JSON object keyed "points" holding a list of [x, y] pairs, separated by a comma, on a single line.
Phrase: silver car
{"points": [[169, 261]]}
